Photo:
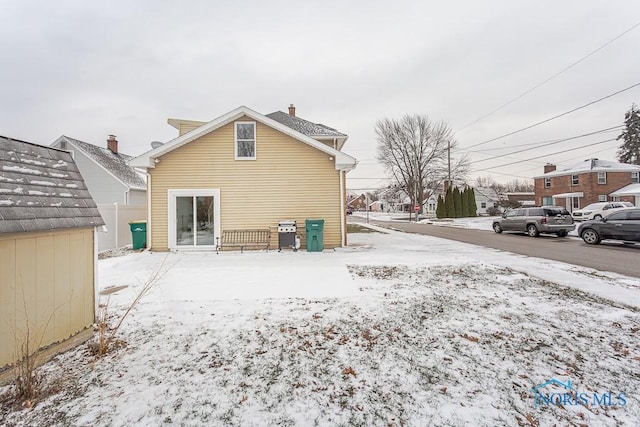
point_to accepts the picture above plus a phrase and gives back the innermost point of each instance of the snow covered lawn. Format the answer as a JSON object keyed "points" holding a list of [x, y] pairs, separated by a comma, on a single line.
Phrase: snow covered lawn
{"points": [[397, 329]]}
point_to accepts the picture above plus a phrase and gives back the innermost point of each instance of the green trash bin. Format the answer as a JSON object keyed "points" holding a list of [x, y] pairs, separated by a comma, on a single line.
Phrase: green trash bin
{"points": [[138, 234], [315, 237]]}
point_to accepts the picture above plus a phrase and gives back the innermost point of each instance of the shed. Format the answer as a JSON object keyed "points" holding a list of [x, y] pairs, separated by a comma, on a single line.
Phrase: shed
{"points": [[48, 252]]}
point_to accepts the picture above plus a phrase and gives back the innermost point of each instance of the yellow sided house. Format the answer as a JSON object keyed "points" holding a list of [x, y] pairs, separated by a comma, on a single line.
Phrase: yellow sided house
{"points": [[245, 171], [48, 248]]}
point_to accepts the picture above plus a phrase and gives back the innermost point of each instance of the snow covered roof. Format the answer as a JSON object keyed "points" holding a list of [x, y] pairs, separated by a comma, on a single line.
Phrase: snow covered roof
{"points": [[41, 189], [115, 164], [147, 160], [592, 165], [304, 126], [629, 190], [489, 193]]}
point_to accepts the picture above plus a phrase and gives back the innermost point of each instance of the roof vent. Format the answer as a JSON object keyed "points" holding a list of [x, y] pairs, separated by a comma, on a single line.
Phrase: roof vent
{"points": [[156, 144]]}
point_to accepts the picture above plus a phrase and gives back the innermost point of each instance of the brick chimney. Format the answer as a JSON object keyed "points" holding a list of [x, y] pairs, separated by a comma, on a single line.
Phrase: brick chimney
{"points": [[292, 110], [112, 144], [549, 167]]}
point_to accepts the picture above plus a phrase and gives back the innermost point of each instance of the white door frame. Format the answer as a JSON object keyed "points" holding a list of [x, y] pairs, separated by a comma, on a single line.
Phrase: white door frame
{"points": [[172, 219]]}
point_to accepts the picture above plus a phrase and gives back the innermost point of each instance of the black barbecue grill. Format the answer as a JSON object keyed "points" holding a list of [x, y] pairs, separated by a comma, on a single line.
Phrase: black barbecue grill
{"points": [[287, 234]]}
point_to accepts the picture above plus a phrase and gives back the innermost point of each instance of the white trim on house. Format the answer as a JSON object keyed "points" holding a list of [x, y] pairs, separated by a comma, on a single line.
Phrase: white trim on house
{"points": [[147, 160], [172, 220]]}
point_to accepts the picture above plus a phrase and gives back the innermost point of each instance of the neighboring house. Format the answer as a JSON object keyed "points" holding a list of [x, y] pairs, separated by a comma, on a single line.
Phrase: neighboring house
{"points": [[245, 170], [431, 205], [105, 170], [486, 198], [525, 198], [377, 206], [587, 182], [395, 200], [48, 253], [357, 203], [119, 190]]}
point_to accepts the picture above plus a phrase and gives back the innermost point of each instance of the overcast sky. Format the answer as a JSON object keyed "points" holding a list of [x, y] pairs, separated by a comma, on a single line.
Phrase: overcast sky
{"points": [[87, 69]]}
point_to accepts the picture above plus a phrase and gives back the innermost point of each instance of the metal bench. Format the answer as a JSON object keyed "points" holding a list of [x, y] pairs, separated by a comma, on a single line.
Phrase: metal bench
{"points": [[256, 238]]}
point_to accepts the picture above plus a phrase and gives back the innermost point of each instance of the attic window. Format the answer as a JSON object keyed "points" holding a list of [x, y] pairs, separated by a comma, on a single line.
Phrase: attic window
{"points": [[245, 136]]}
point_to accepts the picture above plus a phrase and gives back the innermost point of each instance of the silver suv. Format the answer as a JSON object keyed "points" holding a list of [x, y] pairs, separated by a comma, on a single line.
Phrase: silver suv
{"points": [[533, 221]]}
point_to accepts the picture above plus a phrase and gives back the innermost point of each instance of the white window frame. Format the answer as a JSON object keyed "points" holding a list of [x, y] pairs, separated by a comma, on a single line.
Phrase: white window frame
{"points": [[172, 194], [236, 140], [602, 198], [602, 175], [575, 179], [635, 177], [547, 183]]}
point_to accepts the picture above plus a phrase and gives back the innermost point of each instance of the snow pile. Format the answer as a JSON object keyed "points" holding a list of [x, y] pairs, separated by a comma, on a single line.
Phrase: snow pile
{"points": [[397, 329]]}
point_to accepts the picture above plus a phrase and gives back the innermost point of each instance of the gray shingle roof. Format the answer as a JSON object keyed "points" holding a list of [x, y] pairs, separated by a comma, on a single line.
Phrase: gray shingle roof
{"points": [[42, 189], [304, 126], [114, 163]]}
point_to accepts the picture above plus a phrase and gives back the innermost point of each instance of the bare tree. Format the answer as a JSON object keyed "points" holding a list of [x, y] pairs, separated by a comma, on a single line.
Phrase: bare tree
{"points": [[415, 151], [515, 185]]}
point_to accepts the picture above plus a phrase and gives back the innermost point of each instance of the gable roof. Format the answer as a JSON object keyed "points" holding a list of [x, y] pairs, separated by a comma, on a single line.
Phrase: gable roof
{"points": [[114, 164], [41, 189], [304, 126], [592, 165], [487, 192], [146, 160]]}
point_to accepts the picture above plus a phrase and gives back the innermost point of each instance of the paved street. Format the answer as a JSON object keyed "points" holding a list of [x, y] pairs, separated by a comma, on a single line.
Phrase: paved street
{"points": [[613, 257]]}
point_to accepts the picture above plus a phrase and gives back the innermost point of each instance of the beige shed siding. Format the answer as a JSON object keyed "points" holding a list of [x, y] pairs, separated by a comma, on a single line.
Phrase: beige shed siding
{"points": [[47, 283], [289, 180]]}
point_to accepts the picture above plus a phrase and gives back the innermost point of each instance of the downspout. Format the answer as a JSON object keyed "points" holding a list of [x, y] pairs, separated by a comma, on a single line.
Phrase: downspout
{"points": [[343, 219], [148, 210]]}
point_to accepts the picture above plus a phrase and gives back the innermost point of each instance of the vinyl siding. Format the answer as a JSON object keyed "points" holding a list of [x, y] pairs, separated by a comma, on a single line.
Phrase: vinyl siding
{"points": [[188, 127], [288, 180], [46, 287], [104, 188], [137, 198]]}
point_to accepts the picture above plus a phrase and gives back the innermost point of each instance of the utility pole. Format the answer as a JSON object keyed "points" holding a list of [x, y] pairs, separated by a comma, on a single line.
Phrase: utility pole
{"points": [[449, 160], [367, 207]]}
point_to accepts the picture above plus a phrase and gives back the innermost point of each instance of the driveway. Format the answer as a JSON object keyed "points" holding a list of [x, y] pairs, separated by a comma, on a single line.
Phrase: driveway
{"points": [[614, 257]]}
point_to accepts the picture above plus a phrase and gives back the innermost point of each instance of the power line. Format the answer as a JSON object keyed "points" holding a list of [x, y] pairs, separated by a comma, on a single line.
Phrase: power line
{"points": [[546, 155], [481, 152], [552, 118], [543, 145], [550, 78]]}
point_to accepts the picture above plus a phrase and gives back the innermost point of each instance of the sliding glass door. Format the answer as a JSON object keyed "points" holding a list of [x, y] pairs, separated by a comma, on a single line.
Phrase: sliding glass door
{"points": [[194, 218]]}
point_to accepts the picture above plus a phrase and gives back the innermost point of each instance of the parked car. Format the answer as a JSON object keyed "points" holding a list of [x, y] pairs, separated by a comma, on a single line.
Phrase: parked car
{"points": [[599, 210], [621, 225], [533, 221]]}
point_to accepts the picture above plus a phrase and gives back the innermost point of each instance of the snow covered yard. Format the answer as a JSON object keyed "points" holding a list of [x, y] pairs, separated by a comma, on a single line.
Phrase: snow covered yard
{"points": [[397, 329]]}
